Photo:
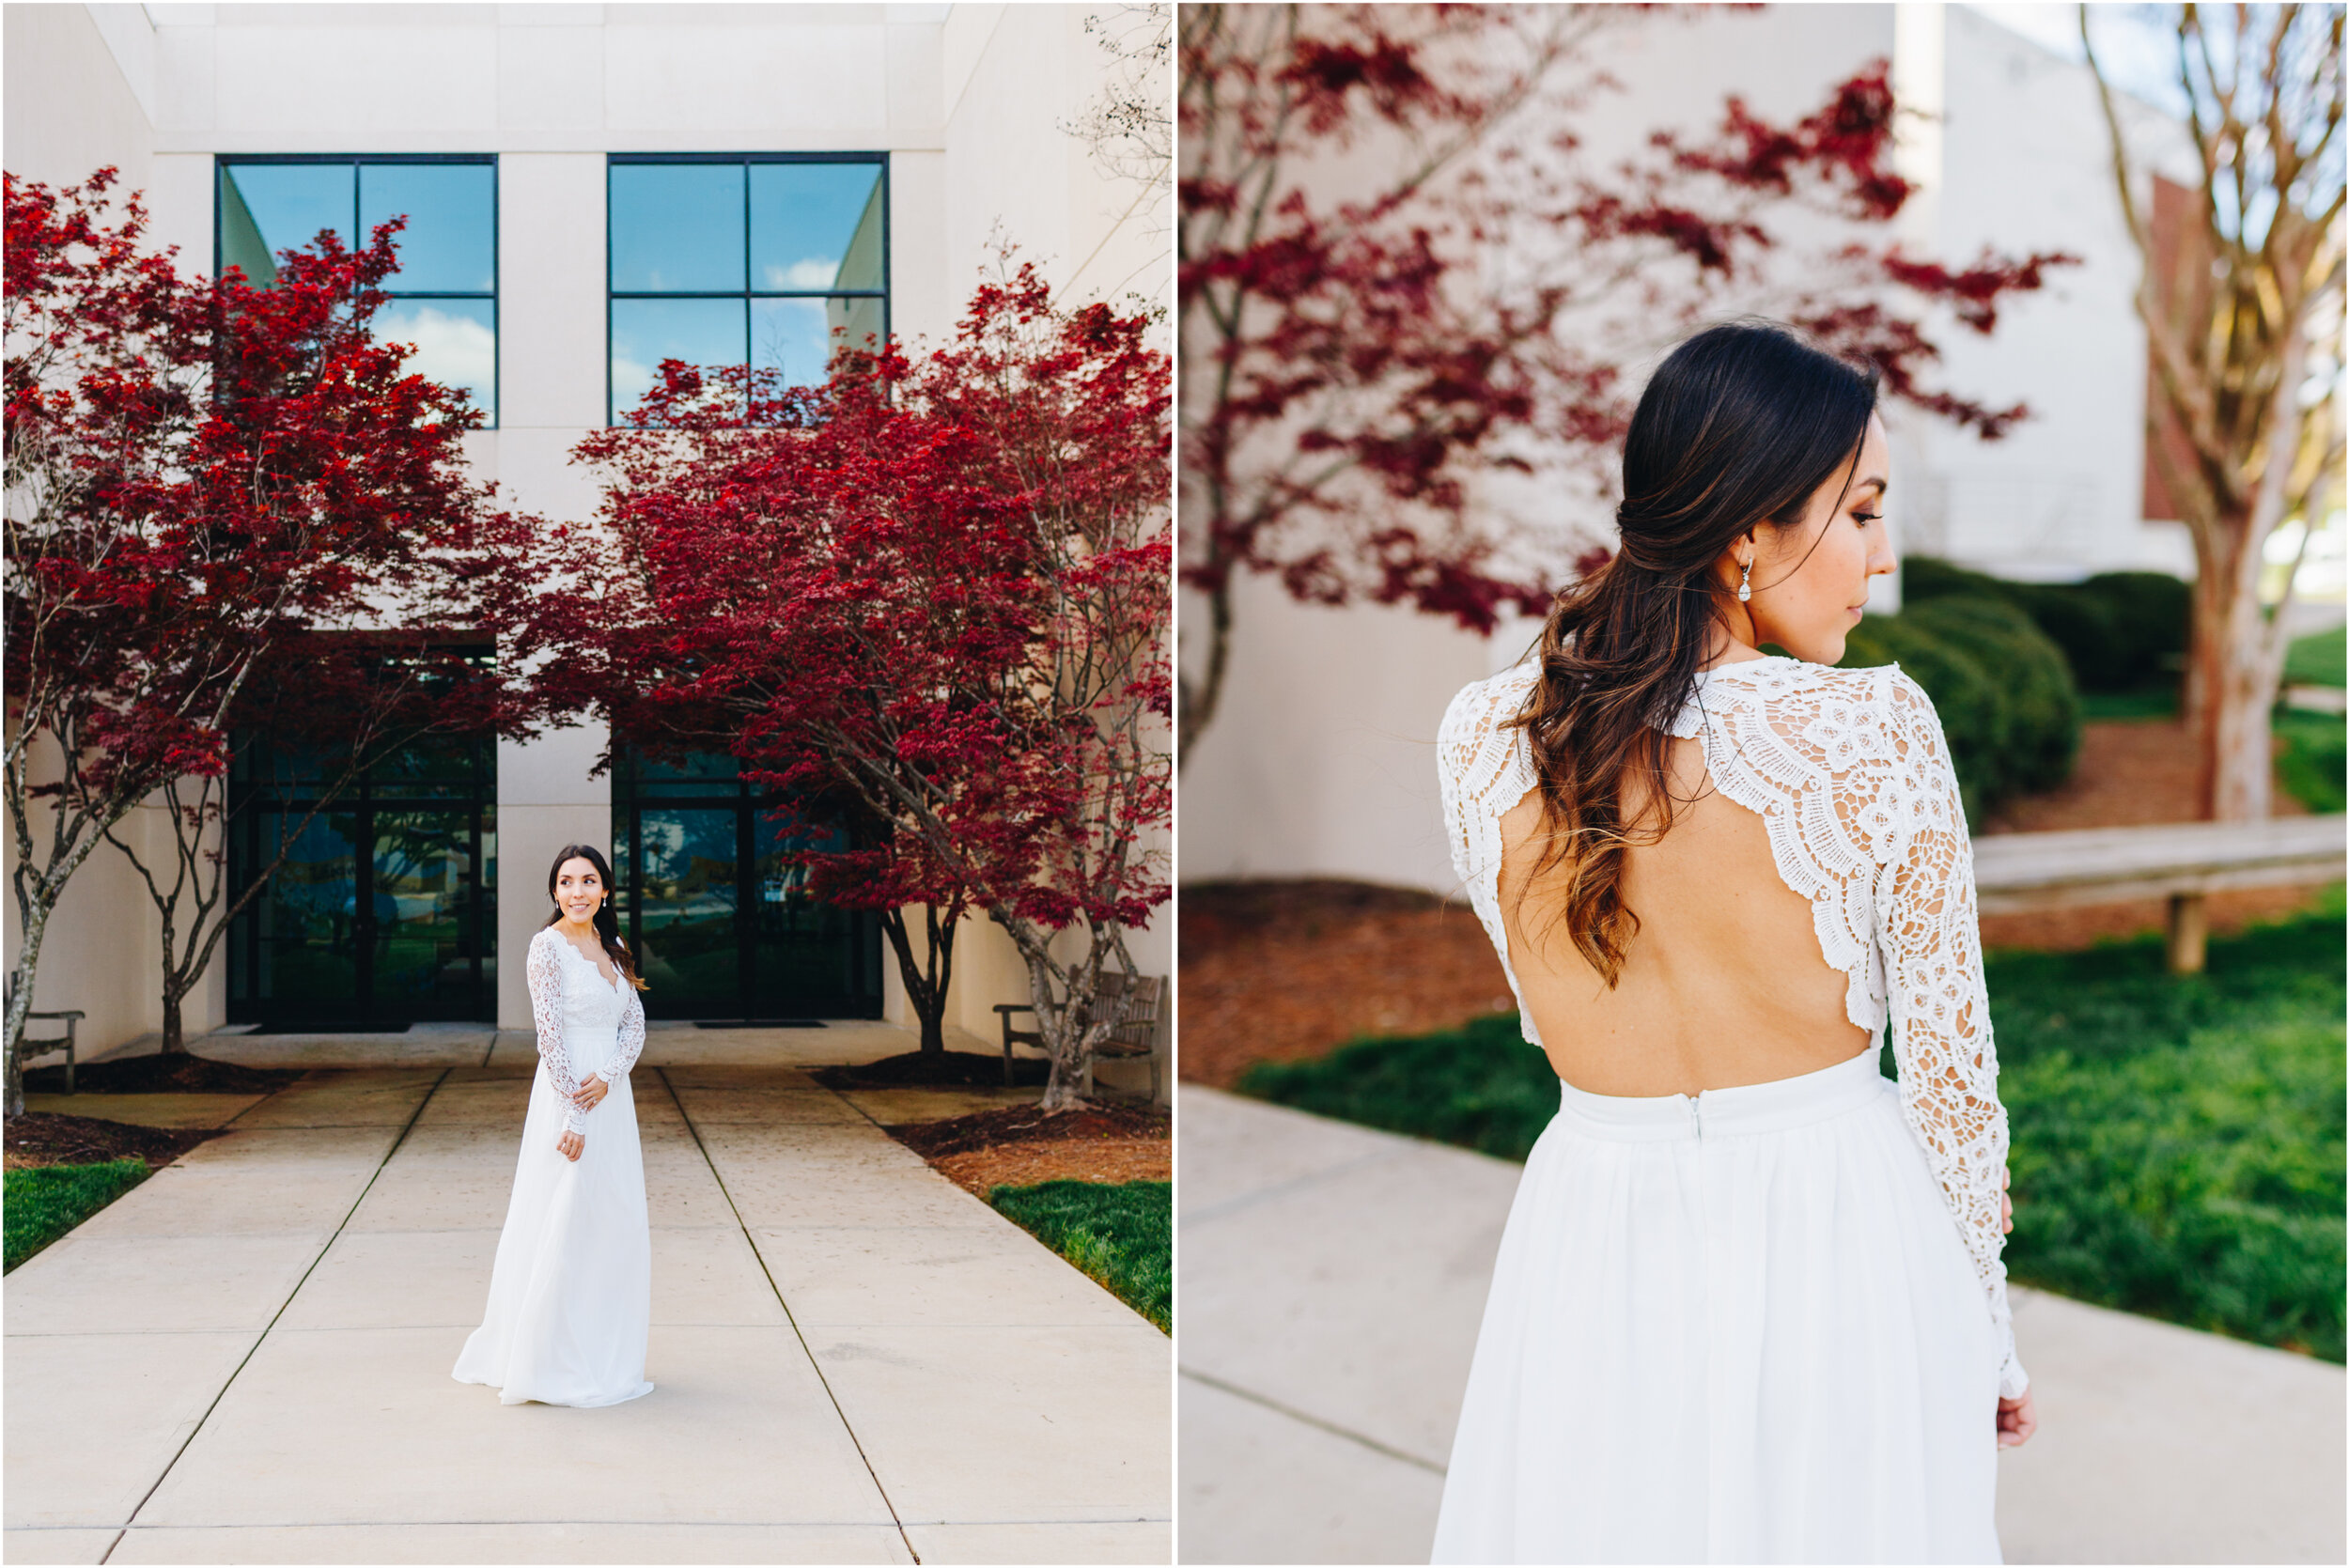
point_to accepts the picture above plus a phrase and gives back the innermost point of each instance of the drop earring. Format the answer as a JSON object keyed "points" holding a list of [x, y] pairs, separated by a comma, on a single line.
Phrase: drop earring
{"points": [[1745, 588]]}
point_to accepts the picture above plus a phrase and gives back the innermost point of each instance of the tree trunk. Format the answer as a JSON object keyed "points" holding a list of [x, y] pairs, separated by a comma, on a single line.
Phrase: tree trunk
{"points": [[175, 1038], [2230, 680], [21, 1000], [1201, 699], [926, 982], [1064, 1013]]}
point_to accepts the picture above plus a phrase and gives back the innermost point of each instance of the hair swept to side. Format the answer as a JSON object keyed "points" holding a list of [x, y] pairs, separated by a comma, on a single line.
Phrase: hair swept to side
{"points": [[1739, 426], [607, 919]]}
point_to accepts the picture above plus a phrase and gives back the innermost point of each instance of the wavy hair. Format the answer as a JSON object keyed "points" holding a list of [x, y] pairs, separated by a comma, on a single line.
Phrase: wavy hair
{"points": [[1738, 426], [607, 919]]}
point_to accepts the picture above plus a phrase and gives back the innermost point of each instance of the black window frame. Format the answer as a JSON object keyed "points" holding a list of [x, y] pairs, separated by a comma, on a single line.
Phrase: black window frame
{"points": [[633, 794], [746, 293], [469, 787], [223, 161]]}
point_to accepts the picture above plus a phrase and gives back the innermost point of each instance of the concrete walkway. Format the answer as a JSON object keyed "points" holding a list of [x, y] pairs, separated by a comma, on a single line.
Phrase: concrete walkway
{"points": [[1332, 1279], [246, 1358]]}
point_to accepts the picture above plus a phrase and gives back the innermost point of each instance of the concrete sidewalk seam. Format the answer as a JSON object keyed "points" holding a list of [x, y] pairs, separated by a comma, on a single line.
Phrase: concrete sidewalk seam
{"points": [[1281, 1190], [221, 1392], [1314, 1421], [806, 1349]]}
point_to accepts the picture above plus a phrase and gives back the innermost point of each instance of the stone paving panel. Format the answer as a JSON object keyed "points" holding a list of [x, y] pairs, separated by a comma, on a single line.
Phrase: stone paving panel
{"points": [[347, 1098], [365, 1425], [1138, 1540], [372, 1278], [239, 1188], [980, 1425], [971, 1276], [99, 1284], [147, 1110], [57, 1546], [763, 1106], [1261, 1487], [524, 1543], [94, 1419]]}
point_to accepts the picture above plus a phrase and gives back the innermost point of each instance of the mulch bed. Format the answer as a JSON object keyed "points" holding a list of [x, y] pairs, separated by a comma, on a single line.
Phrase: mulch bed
{"points": [[1020, 1145], [921, 1069], [176, 1074], [49, 1138], [1285, 971], [2132, 772]]}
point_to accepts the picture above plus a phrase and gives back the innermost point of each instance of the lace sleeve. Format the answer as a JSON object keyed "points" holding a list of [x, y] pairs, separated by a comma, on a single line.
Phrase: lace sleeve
{"points": [[544, 971], [1486, 768], [1940, 1011], [631, 1037]]}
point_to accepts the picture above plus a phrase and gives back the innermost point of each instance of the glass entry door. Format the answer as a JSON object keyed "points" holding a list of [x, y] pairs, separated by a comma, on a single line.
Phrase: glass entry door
{"points": [[724, 925], [383, 910]]}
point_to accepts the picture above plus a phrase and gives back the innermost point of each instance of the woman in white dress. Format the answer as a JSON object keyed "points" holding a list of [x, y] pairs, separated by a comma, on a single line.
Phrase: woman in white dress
{"points": [[570, 1295], [1749, 1305]]}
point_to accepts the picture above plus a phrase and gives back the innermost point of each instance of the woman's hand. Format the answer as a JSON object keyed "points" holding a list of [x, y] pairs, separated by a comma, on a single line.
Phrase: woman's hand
{"points": [[2018, 1420], [591, 1092], [2006, 1204], [572, 1145]]}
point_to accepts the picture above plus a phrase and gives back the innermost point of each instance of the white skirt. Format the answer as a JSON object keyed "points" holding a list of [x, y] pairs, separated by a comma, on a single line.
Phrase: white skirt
{"points": [[1735, 1327], [570, 1295]]}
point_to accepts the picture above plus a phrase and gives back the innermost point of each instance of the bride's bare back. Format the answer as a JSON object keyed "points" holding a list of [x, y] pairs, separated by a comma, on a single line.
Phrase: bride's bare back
{"points": [[1723, 983]]}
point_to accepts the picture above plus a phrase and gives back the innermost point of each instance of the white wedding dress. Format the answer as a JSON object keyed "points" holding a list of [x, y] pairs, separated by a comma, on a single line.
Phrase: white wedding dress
{"points": [[570, 1295], [1765, 1323]]}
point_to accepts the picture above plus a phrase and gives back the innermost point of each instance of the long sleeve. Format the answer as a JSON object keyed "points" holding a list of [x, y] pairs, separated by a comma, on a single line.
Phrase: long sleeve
{"points": [[631, 1037], [1939, 1008], [1483, 769], [544, 971]]}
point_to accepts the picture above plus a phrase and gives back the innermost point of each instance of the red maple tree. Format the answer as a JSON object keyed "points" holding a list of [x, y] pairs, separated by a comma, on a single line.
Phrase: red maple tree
{"points": [[227, 505], [1401, 273], [934, 592]]}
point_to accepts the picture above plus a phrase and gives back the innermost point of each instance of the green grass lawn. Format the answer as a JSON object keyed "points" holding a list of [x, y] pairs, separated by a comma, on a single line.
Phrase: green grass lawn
{"points": [[45, 1202], [1122, 1233], [2318, 659], [2146, 702], [2177, 1143], [2315, 759]]}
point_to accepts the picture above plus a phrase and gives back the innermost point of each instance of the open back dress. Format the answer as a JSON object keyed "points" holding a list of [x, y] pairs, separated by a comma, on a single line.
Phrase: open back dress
{"points": [[571, 1294], [1765, 1323]]}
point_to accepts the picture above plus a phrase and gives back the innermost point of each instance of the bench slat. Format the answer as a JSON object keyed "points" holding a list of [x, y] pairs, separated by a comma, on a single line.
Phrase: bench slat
{"points": [[2015, 871]]}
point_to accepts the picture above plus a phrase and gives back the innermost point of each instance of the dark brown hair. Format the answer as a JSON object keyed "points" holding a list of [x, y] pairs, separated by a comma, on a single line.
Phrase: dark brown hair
{"points": [[607, 919], [1739, 426]]}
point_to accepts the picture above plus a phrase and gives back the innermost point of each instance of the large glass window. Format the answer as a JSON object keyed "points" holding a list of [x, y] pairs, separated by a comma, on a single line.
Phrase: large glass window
{"points": [[770, 259], [723, 923], [444, 295], [384, 910]]}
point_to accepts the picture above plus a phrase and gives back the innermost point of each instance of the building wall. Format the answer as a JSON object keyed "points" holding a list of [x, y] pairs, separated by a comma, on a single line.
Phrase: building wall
{"points": [[968, 100], [2062, 495], [1321, 759], [77, 110]]}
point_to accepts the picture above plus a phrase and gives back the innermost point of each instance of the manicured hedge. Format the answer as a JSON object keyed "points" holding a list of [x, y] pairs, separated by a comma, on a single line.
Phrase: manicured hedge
{"points": [[2003, 690], [2119, 631]]}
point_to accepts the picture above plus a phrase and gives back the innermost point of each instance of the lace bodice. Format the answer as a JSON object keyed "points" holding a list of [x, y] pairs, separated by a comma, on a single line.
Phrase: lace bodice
{"points": [[1851, 777], [569, 998]]}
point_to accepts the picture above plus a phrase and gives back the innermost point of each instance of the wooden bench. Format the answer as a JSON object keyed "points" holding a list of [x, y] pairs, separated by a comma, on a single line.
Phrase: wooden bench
{"points": [[1136, 1002], [2181, 861], [42, 1047]]}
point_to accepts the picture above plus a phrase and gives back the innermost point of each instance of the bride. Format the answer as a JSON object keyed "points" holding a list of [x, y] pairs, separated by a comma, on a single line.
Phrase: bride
{"points": [[570, 1295], [1749, 1305]]}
